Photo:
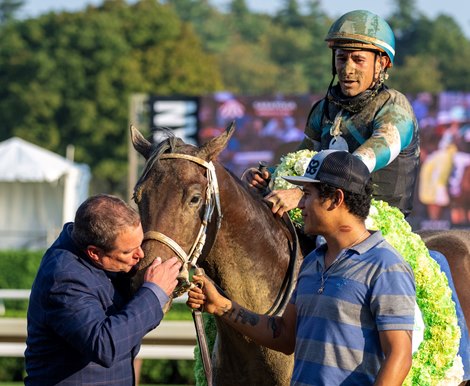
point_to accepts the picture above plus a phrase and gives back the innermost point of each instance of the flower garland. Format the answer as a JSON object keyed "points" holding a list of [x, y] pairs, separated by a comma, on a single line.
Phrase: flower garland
{"points": [[292, 164], [436, 360]]}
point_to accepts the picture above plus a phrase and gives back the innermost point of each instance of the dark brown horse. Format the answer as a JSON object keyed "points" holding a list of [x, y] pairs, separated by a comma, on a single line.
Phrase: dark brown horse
{"points": [[246, 250], [248, 256], [455, 246]]}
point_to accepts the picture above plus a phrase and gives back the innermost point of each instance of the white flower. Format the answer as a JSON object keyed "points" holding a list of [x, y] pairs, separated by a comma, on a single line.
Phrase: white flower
{"points": [[370, 222], [454, 375], [301, 165], [292, 164]]}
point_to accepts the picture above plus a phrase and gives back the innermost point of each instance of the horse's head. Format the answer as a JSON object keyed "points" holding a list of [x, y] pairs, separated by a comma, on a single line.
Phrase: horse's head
{"points": [[177, 196]]}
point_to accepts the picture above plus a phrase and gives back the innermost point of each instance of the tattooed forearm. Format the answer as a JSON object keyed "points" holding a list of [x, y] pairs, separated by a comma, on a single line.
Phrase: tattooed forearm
{"points": [[246, 316], [243, 316], [227, 311], [274, 326]]}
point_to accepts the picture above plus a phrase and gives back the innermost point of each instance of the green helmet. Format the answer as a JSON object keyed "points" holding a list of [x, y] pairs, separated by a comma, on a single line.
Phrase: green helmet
{"points": [[362, 30]]}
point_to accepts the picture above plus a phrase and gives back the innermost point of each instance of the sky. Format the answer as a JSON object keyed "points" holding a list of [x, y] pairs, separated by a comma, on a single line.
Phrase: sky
{"points": [[459, 10]]}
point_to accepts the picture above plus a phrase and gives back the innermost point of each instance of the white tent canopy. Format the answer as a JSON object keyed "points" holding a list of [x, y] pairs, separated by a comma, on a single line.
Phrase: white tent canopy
{"points": [[39, 192]]}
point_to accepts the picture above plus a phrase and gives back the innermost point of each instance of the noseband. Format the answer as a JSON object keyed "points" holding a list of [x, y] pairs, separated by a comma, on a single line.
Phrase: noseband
{"points": [[212, 201]]}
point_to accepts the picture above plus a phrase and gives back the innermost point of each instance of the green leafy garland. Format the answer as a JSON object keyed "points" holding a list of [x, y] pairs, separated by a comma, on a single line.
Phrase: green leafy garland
{"points": [[436, 362], [439, 348], [292, 164]]}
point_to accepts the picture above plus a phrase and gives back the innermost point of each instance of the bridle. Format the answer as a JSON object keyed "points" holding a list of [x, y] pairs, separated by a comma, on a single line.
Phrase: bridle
{"points": [[189, 260], [212, 201]]}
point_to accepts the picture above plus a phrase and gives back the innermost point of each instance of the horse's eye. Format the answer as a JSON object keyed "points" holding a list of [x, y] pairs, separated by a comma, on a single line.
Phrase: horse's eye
{"points": [[195, 199]]}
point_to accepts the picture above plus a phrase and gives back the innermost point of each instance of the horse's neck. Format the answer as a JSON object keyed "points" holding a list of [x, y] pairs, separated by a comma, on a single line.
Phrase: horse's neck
{"points": [[251, 251], [247, 208]]}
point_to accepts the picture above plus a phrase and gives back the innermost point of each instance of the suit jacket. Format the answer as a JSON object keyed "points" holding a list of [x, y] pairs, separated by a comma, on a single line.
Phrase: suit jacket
{"points": [[81, 330]]}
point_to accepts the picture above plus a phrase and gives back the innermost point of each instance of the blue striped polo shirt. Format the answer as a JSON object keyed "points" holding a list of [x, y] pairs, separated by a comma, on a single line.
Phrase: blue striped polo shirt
{"points": [[369, 288]]}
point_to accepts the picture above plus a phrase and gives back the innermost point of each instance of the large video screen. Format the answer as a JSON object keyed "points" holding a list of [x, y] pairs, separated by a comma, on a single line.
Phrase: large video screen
{"points": [[268, 127]]}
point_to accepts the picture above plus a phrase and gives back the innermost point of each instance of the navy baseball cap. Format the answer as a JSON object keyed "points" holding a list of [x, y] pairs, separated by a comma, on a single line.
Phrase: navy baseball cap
{"points": [[337, 168]]}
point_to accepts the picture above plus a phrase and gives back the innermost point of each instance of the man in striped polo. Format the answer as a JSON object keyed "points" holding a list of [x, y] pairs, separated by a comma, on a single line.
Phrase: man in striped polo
{"points": [[350, 318]]}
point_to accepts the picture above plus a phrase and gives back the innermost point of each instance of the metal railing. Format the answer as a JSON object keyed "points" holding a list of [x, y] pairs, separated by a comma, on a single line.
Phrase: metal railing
{"points": [[170, 340]]}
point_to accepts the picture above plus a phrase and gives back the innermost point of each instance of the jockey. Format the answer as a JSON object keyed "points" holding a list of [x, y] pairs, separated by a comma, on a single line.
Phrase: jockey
{"points": [[360, 114]]}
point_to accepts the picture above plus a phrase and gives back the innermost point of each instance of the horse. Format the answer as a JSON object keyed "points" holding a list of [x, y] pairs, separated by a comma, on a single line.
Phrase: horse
{"points": [[454, 244], [247, 251]]}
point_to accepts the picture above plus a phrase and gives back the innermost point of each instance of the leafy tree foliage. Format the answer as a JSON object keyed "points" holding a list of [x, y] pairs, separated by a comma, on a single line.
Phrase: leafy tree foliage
{"points": [[422, 38], [208, 22], [290, 15], [259, 53], [418, 73], [66, 78], [8, 9]]}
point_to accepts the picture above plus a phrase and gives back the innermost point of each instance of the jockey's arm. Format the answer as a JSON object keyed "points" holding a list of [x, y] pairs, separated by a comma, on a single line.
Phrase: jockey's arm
{"points": [[277, 333], [280, 201], [391, 134]]}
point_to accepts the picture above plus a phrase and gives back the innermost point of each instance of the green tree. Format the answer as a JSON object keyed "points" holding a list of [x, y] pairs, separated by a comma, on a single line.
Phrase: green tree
{"points": [[403, 18], [317, 64], [290, 15], [239, 9], [248, 70], [446, 42], [289, 48], [419, 38], [8, 9], [209, 24], [418, 73], [67, 77], [250, 26]]}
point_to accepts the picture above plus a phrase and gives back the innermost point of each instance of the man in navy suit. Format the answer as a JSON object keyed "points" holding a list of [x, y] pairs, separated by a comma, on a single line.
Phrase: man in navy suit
{"points": [[81, 329]]}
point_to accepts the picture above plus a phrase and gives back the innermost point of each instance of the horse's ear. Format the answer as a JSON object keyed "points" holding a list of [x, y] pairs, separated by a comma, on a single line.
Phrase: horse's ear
{"points": [[211, 149], [142, 146]]}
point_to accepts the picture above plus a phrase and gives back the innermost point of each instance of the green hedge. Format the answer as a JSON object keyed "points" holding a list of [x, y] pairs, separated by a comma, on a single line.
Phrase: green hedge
{"points": [[18, 270]]}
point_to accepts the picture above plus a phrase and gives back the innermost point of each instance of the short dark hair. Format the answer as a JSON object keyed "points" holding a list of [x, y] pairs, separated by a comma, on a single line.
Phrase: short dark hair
{"points": [[100, 219], [358, 203]]}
